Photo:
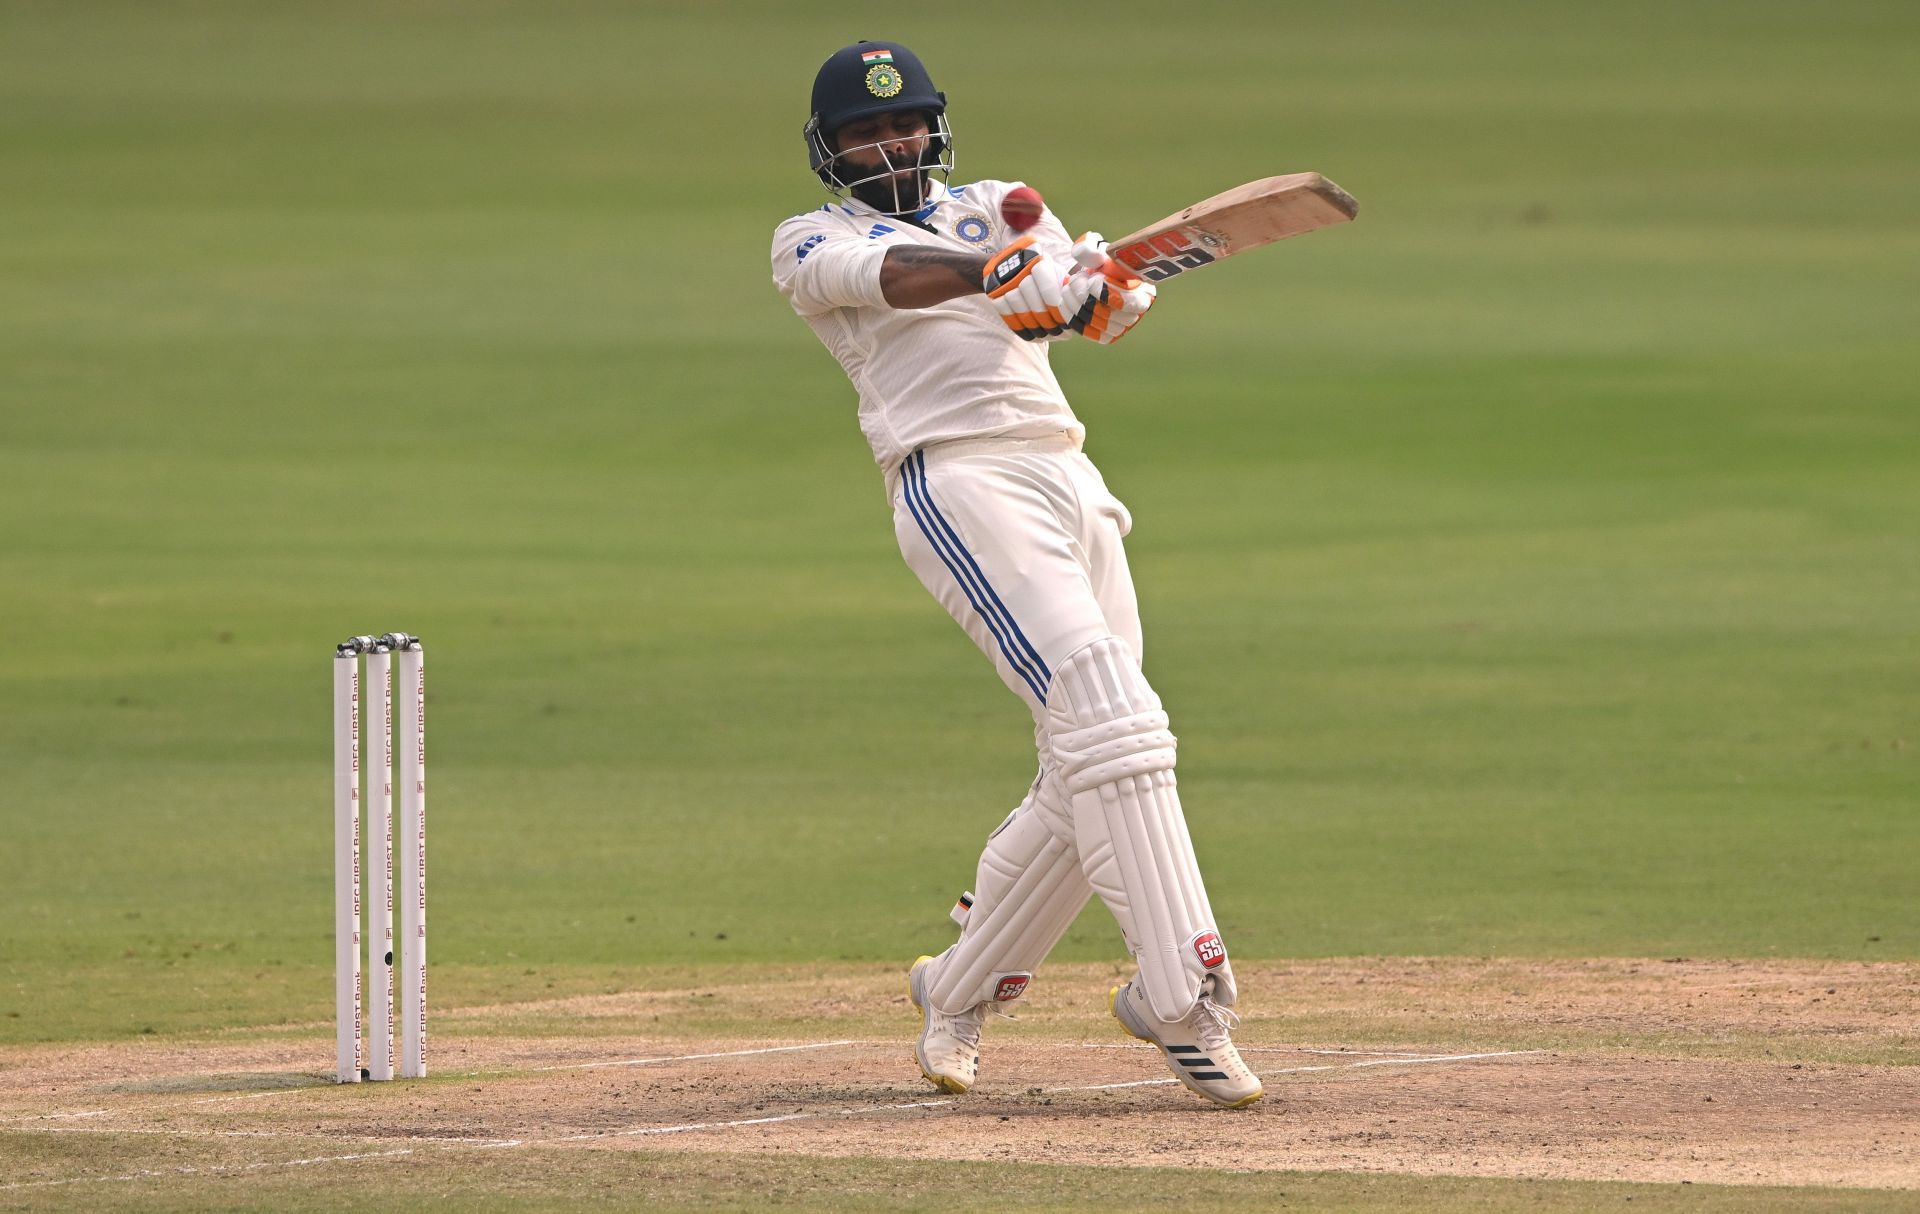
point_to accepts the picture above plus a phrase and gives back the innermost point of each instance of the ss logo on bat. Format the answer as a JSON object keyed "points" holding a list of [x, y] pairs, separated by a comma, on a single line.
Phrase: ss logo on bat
{"points": [[1161, 257]]}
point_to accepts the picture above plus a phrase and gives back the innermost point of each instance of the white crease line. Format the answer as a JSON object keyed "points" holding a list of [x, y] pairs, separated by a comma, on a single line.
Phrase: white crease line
{"points": [[1348, 1066], [1252, 1049], [147, 1108], [929, 1104], [193, 1133], [1296, 1070], [104, 1129], [691, 1127], [259, 1095], [57, 1116], [1282, 1049], [642, 1131], [728, 1125], [1438, 1058], [150, 1174], [1414, 1060], [575, 1066], [588, 1066]]}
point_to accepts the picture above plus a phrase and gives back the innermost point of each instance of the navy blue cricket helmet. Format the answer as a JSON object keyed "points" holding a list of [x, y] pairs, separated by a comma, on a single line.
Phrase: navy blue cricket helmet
{"points": [[861, 81]]}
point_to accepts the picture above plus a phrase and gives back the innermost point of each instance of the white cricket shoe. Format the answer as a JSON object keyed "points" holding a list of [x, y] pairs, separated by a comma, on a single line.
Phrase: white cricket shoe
{"points": [[949, 1046], [1197, 1048]]}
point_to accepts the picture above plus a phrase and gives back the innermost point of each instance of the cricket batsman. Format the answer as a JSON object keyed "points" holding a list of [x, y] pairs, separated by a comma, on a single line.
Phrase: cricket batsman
{"points": [[942, 316]]}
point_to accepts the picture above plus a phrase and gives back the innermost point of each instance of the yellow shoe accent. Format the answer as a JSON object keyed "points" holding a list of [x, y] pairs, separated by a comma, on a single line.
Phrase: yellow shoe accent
{"points": [[910, 998], [1113, 997], [944, 1083], [954, 1087]]}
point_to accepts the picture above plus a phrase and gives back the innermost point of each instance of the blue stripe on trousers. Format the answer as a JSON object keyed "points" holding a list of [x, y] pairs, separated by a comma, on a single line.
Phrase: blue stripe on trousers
{"points": [[1033, 655], [1013, 643], [967, 574]]}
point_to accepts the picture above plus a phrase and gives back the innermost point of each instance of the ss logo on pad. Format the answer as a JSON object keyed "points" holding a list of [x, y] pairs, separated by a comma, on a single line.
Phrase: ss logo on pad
{"points": [[1209, 949]]}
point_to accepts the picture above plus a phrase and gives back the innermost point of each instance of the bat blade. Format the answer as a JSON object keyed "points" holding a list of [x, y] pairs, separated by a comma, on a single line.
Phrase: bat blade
{"points": [[1245, 217]]}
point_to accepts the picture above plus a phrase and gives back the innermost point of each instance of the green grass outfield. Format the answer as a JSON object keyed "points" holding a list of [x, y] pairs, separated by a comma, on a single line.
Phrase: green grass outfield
{"points": [[1530, 568], [537, 1179]]}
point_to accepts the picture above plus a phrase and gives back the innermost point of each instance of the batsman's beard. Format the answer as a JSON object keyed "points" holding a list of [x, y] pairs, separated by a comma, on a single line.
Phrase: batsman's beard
{"points": [[890, 188]]}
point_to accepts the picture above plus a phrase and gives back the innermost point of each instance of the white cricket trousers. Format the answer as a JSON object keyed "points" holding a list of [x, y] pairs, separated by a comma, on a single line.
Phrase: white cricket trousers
{"points": [[1020, 540]]}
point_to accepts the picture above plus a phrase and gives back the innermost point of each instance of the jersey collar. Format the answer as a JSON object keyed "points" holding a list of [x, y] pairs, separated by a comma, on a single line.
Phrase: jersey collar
{"points": [[937, 193]]}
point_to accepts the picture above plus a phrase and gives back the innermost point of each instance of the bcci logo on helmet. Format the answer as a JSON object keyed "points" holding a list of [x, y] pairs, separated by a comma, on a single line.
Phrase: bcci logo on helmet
{"points": [[863, 81], [1208, 947]]}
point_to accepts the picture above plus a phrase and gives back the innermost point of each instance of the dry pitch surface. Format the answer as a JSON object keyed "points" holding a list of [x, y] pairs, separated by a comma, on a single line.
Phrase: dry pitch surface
{"points": [[1733, 1073]]}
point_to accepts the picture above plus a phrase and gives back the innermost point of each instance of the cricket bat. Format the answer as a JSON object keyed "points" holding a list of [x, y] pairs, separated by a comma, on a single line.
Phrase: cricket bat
{"points": [[1245, 217]]}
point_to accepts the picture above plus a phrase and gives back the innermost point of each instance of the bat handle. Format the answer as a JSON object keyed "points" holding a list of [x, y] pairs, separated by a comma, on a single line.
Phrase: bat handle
{"points": [[1092, 259]]}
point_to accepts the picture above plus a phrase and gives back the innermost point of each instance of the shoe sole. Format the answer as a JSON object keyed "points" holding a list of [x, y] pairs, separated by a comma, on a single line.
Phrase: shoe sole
{"points": [[1113, 1006], [945, 1083]]}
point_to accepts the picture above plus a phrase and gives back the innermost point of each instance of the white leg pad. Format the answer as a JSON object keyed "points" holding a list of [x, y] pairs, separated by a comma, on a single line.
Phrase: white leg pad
{"points": [[1028, 891], [1116, 757]]}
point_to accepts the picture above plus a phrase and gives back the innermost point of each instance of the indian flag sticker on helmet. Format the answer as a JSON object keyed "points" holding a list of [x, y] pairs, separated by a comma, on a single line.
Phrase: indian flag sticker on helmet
{"points": [[883, 55], [883, 81]]}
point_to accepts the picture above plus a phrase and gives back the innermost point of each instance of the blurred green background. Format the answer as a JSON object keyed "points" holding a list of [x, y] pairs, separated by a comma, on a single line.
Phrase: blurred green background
{"points": [[1530, 567]]}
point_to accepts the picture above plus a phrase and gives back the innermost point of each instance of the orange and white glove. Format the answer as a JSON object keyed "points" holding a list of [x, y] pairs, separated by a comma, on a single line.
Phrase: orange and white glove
{"points": [[1024, 286], [1103, 299]]}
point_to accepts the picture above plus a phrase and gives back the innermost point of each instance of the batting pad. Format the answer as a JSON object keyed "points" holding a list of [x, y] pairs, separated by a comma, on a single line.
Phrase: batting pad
{"points": [[1116, 755], [1029, 889]]}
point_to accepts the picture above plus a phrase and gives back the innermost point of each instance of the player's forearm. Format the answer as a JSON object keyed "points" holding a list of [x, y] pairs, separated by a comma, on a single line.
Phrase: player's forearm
{"points": [[918, 276]]}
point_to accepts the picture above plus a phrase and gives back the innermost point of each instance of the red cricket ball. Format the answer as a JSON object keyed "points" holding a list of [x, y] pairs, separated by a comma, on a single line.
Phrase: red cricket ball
{"points": [[1021, 208]]}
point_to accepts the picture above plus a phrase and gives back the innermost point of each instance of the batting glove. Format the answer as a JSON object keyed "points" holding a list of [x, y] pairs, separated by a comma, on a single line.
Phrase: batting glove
{"points": [[1025, 289], [1103, 299]]}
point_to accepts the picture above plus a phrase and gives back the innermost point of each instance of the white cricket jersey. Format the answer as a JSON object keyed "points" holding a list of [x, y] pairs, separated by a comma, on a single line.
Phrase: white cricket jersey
{"points": [[924, 375]]}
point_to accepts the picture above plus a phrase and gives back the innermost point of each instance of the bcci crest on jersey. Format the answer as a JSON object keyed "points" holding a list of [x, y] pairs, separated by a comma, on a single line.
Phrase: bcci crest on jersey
{"points": [[973, 229]]}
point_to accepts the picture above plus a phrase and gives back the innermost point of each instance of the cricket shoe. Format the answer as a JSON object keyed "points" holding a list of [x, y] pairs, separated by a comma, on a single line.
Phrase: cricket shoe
{"points": [[1197, 1048], [949, 1046]]}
